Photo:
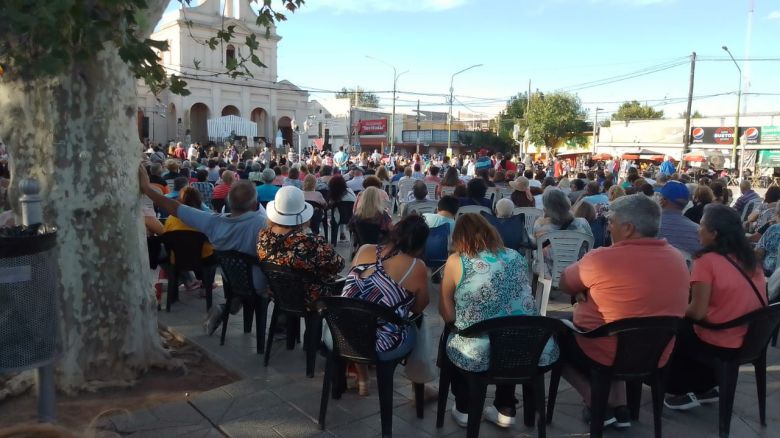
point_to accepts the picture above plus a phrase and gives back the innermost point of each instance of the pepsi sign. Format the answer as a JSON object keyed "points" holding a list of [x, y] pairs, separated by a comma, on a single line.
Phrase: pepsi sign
{"points": [[724, 135]]}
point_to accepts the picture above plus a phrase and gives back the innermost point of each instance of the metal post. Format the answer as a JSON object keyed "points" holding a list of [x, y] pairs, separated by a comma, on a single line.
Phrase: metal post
{"points": [[32, 214], [449, 117], [687, 134], [595, 124], [392, 118], [736, 121], [418, 126]]}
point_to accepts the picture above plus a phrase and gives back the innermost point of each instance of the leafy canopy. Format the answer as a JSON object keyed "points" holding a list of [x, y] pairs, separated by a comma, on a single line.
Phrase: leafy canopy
{"points": [[554, 116], [634, 110], [42, 38], [359, 97]]}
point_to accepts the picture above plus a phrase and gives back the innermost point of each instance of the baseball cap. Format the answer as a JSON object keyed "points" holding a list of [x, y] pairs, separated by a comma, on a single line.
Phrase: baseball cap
{"points": [[675, 192]]}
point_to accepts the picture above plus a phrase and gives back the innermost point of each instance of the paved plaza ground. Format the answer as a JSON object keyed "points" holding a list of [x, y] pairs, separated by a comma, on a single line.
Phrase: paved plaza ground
{"points": [[279, 401]]}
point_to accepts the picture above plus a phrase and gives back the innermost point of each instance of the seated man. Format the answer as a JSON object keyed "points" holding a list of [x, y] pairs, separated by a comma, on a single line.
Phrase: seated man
{"points": [[638, 276], [445, 214], [681, 232], [420, 193], [748, 195], [356, 182], [236, 231]]}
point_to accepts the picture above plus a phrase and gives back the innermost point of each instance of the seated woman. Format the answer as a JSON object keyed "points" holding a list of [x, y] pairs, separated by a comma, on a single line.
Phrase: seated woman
{"points": [[598, 226], [191, 197], [450, 179], [285, 241], [373, 181], [392, 275], [766, 211], [726, 283], [557, 216], [766, 248], [310, 193], [475, 194], [522, 196], [338, 191], [371, 210], [482, 280], [702, 196]]}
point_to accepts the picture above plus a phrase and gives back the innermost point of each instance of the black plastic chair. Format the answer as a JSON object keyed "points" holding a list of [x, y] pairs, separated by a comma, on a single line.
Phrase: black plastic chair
{"points": [[187, 247], [316, 217], [344, 209], [437, 247], [512, 231], [237, 280], [761, 325], [640, 344], [353, 324], [365, 233], [289, 296], [217, 205], [516, 345]]}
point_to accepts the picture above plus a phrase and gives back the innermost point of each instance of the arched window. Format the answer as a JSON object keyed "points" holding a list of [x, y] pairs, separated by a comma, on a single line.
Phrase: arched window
{"points": [[230, 53]]}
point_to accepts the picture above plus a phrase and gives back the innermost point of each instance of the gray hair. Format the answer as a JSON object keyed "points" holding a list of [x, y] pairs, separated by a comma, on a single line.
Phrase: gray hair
{"points": [[255, 167], [640, 211], [505, 206], [156, 169], [557, 206], [242, 197], [662, 178]]}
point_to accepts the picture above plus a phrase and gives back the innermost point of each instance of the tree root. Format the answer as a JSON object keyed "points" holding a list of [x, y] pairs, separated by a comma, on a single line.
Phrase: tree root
{"points": [[16, 384]]}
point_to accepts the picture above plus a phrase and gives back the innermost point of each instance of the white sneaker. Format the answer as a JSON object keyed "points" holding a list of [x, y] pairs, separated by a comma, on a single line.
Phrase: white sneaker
{"points": [[460, 418], [491, 414]]}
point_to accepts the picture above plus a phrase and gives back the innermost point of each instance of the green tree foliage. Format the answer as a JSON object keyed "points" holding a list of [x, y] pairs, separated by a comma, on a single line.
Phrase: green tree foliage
{"points": [[513, 113], [43, 38], [636, 111], [359, 97], [488, 140], [696, 115], [554, 116]]}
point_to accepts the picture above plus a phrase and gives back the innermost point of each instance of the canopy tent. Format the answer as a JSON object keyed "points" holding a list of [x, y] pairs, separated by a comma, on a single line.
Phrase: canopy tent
{"points": [[603, 156], [694, 157], [572, 153], [644, 154], [227, 126]]}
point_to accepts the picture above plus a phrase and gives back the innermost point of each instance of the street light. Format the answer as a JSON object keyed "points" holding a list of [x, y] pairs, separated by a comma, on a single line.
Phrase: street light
{"points": [[396, 75], [741, 169], [449, 116], [595, 123]]}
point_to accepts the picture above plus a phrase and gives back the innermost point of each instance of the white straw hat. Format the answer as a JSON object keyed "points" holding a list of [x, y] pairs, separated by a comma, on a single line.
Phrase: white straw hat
{"points": [[289, 208]]}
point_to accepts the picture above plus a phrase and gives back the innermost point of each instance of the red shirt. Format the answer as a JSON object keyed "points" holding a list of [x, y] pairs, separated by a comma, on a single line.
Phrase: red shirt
{"points": [[632, 278], [731, 296], [220, 191]]}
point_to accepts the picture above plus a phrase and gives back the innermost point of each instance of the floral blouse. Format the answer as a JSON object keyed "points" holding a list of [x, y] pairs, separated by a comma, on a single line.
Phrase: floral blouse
{"points": [[299, 250]]}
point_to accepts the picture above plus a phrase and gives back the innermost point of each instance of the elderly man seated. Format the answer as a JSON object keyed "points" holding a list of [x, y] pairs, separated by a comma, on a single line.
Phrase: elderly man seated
{"points": [[236, 231], [748, 196], [617, 282], [681, 232], [420, 193]]}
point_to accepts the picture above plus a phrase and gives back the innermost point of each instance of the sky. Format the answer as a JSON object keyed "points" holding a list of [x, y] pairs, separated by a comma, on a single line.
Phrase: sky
{"points": [[556, 44]]}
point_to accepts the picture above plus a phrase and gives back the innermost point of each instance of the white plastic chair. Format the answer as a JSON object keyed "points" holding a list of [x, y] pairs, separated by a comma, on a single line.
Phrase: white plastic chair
{"points": [[472, 209], [448, 191], [504, 192], [404, 188], [565, 246], [531, 215], [427, 207], [492, 195], [431, 186], [750, 207]]}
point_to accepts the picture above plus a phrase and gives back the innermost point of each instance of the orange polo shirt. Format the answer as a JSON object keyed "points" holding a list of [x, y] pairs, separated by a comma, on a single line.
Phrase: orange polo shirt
{"points": [[633, 278]]}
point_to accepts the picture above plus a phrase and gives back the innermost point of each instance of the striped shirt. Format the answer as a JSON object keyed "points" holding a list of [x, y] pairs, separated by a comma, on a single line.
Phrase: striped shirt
{"points": [[379, 288]]}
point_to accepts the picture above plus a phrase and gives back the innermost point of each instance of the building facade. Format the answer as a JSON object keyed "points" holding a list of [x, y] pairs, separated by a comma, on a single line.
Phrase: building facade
{"points": [[272, 104]]}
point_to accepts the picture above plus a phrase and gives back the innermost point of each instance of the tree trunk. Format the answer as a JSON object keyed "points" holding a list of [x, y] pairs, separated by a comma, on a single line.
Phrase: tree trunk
{"points": [[76, 133]]}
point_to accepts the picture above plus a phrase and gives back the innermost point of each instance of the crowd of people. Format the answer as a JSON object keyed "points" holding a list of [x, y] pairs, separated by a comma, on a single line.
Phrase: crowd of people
{"points": [[642, 225]]}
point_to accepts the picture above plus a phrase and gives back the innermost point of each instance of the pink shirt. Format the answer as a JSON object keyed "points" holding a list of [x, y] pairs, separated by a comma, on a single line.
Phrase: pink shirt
{"points": [[731, 296], [632, 278]]}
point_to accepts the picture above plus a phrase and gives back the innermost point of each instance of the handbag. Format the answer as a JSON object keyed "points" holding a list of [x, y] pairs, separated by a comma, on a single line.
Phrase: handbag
{"points": [[419, 364], [747, 277]]}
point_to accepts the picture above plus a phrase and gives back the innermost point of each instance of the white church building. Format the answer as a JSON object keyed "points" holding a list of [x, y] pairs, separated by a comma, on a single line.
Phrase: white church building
{"points": [[270, 104]]}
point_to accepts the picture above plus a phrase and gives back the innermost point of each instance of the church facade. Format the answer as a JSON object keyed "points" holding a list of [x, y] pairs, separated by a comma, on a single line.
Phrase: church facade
{"points": [[273, 105]]}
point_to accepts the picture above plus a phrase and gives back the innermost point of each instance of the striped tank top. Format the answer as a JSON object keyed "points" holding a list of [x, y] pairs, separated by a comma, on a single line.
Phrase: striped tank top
{"points": [[379, 288]]}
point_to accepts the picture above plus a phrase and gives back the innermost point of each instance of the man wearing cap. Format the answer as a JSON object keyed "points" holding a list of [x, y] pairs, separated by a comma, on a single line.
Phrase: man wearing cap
{"points": [[267, 191], [681, 232], [286, 241]]}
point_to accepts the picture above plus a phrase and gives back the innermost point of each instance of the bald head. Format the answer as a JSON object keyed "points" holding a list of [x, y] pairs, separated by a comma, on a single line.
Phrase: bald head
{"points": [[745, 186], [228, 177]]}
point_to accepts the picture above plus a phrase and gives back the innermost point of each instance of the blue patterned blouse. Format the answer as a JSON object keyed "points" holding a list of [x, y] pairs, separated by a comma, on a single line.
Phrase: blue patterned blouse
{"points": [[492, 286]]}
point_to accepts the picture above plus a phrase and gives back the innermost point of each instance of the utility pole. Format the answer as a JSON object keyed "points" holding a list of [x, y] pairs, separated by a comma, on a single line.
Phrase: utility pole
{"points": [[740, 168], [687, 134], [595, 127], [527, 134], [449, 116], [418, 126]]}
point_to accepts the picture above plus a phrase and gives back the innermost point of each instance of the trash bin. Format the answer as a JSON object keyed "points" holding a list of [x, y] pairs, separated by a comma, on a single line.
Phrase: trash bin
{"points": [[28, 298]]}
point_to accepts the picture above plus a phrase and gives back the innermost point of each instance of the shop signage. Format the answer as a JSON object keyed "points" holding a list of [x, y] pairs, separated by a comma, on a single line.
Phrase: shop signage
{"points": [[725, 135], [770, 134], [370, 127], [769, 158]]}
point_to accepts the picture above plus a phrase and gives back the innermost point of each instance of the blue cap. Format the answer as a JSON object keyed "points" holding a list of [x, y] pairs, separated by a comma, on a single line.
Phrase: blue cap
{"points": [[676, 192]]}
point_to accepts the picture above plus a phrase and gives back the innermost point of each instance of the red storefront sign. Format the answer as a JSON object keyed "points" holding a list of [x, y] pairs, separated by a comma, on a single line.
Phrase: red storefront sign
{"points": [[372, 126]]}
